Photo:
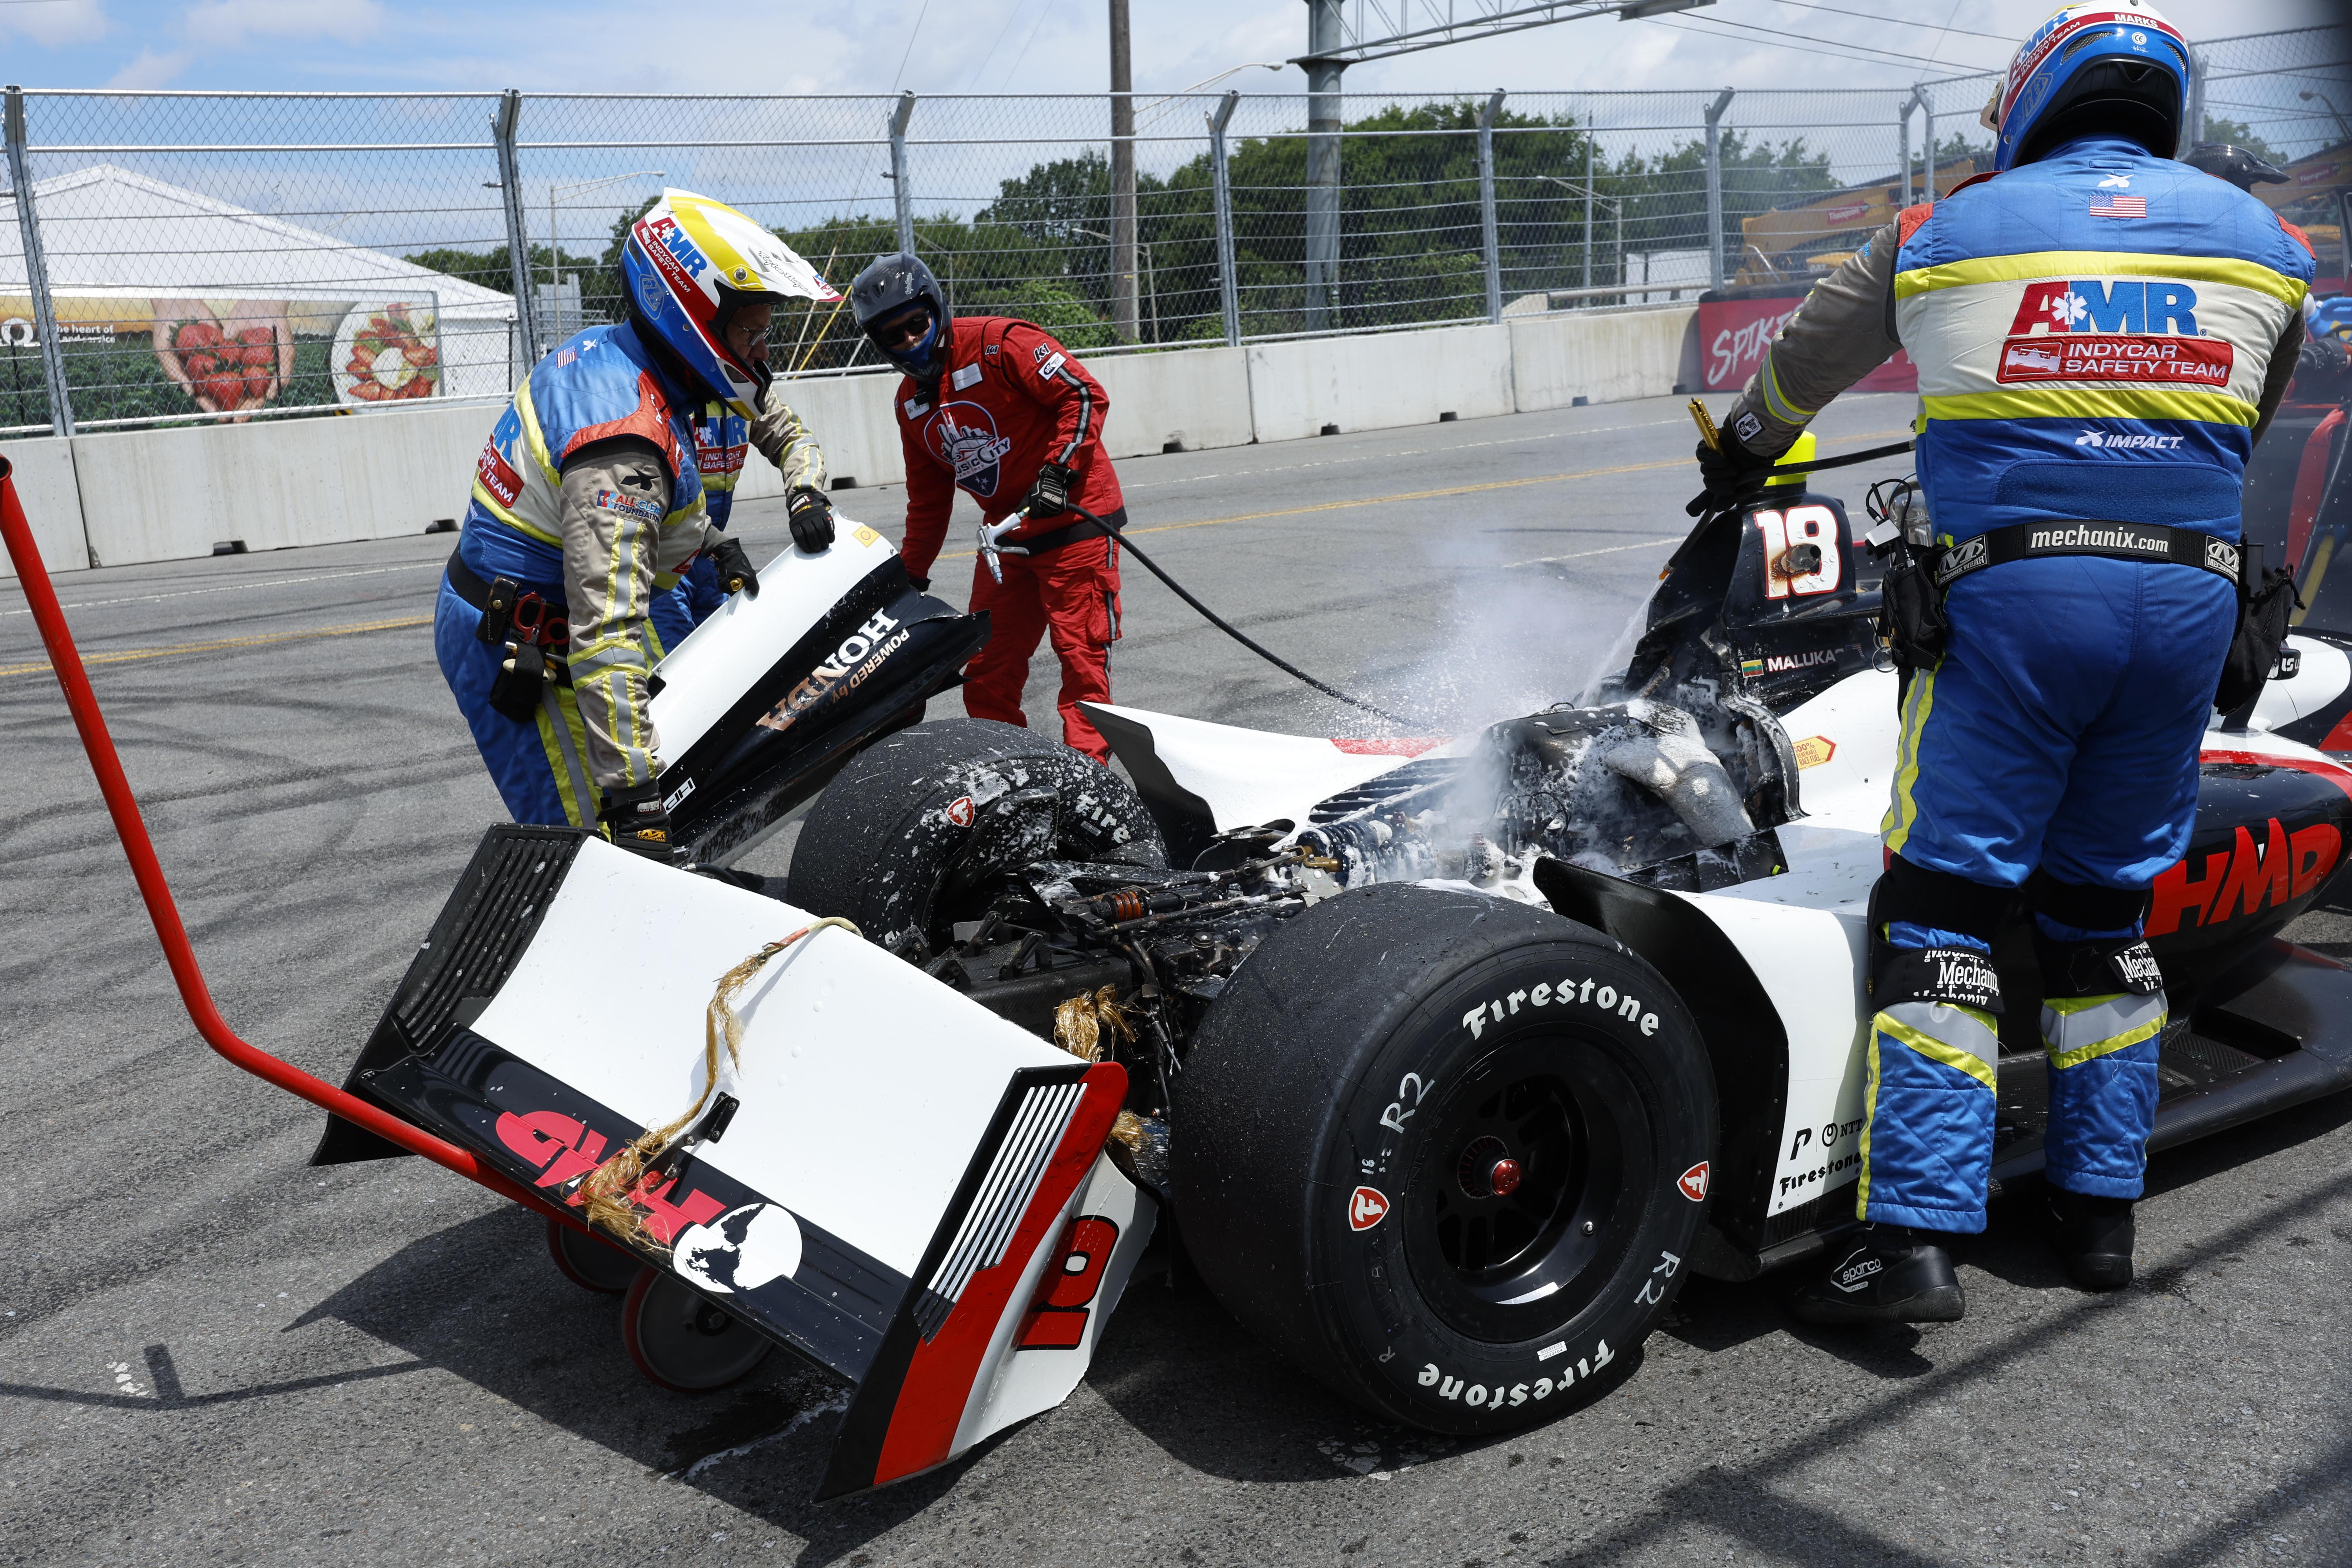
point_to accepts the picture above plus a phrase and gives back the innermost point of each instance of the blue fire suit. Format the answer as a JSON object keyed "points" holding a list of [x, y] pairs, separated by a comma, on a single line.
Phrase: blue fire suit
{"points": [[597, 493], [2100, 335]]}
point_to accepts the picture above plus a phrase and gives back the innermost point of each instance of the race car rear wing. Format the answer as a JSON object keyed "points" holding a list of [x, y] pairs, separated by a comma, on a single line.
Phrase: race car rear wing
{"points": [[908, 1191]]}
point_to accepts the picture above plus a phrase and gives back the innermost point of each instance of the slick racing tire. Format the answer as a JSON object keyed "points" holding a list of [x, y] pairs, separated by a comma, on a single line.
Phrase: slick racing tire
{"points": [[683, 1341], [1447, 1152], [918, 829], [590, 1262]]}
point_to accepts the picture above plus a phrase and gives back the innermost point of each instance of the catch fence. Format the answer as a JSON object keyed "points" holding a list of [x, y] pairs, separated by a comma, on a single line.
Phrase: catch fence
{"points": [[194, 256]]}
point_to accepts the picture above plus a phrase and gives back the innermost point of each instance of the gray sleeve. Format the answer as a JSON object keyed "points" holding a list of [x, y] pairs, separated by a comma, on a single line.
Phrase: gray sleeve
{"points": [[2281, 371], [784, 441], [1843, 331], [614, 502]]}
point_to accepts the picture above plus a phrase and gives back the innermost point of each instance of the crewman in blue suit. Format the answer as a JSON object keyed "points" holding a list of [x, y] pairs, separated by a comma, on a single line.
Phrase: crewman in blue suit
{"points": [[2102, 334], [607, 480]]}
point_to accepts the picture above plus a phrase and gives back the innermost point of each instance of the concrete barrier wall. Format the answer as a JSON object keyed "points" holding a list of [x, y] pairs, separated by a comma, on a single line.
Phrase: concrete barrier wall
{"points": [[1379, 381], [43, 471], [1605, 357], [160, 495]]}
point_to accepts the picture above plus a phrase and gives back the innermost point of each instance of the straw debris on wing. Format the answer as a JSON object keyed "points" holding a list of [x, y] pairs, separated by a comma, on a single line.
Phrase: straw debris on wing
{"points": [[608, 1194], [1079, 1026]]}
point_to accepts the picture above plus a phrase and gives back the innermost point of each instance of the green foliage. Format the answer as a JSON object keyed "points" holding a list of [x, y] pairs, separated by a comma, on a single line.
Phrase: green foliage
{"points": [[492, 270], [2238, 134]]}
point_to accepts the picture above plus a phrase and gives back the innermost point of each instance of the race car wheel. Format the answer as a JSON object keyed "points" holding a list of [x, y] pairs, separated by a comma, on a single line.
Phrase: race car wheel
{"points": [[918, 829], [1448, 1152], [590, 1262], [679, 1340]]}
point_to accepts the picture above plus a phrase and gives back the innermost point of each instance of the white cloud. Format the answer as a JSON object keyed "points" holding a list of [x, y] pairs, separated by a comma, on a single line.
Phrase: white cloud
{"points": [[150, 70], [63, 22], [229, 23]]}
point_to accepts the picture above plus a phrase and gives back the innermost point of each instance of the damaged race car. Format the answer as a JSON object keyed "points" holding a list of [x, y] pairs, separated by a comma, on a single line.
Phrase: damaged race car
{"points": [[1452, 1059]]}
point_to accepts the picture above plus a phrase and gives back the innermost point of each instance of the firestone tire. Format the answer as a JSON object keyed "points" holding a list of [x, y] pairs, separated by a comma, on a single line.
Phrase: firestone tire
{"points": [[590, 1262], [1341, 1126], [684, 1342], [912, 832]]}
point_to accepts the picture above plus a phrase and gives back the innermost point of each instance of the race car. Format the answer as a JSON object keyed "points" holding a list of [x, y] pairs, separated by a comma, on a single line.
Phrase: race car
{"points": [[1451, 1058]]}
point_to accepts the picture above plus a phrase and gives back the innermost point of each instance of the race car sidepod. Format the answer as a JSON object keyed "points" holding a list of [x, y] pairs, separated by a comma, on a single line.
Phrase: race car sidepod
{"points": [[910, 1191]]}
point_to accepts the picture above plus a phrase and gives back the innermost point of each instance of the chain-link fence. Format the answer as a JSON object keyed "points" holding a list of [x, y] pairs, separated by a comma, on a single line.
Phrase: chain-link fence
{"points": [[198, 257]]}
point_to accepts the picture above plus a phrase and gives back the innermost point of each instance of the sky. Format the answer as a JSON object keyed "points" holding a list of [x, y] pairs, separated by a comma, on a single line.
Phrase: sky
{"points": [[996, 45]]}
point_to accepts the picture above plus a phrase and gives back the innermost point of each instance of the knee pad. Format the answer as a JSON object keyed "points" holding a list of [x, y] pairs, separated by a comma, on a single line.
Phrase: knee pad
{"points": [[2087, 940], [1931, 939]]}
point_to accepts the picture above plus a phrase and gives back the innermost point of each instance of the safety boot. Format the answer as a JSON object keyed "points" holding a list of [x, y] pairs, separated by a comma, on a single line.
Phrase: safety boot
{"points": [[2094, 1237], [1883, 1274]]}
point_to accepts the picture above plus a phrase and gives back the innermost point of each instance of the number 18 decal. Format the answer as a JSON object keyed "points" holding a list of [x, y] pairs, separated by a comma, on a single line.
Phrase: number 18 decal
{"points": [[1785, 531], [1057, 1318]]}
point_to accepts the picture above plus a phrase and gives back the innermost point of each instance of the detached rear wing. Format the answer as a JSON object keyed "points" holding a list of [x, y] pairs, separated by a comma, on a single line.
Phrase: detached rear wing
{"points": [[912, 1192]]}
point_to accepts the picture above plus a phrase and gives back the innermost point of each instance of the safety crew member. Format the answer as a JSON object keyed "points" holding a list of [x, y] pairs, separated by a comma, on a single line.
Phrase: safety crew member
{"points": [[999, 407], [598, 488], [2101, 335]]}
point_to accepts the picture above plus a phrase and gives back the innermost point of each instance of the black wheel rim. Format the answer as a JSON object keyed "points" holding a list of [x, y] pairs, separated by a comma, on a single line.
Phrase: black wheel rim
{"points": [[1510, 1265], [687, 1342], [590, 1263]]}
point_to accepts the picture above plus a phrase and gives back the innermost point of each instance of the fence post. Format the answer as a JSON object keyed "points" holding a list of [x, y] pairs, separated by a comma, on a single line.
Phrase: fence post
{"points": [[1488, 227], [1715, 188], [502, 126], [1903, 135], [1220, 195], [36, 269], [1326, 23], [2194, 131], [902, 194], [1928, 127], [1591, 160]]}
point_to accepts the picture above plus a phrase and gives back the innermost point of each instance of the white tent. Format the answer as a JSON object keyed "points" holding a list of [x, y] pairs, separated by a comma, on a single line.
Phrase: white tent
{"points": [[124, 251]]}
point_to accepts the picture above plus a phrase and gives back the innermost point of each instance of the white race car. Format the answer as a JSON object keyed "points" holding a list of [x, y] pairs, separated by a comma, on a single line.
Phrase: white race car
{"points": [[1452, 1060]]}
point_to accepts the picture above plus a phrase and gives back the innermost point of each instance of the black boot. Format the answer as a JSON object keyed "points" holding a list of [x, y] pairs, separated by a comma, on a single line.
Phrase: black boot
{"points": [[2094, 1237], [1883, 1274]]}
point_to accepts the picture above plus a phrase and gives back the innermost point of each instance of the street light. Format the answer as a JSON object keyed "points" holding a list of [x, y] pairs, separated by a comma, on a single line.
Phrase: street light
{"points": [[1616, 207], [555, 240], [2307, 95], [1151, 278]]}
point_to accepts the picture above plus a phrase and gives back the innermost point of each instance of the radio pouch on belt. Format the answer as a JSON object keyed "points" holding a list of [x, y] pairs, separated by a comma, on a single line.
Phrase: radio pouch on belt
{"points": [[2266, 599], [521, 680]]}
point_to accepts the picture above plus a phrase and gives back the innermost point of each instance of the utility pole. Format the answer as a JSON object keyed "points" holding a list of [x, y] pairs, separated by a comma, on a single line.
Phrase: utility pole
{"points": [[1326, 36], [1122, 177]]}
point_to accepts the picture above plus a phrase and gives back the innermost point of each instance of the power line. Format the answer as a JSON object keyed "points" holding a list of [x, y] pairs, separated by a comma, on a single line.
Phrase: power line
{"points": [[1893, 56], [1898, 21], [1043, 12], [1010, 17], [912, 34]]}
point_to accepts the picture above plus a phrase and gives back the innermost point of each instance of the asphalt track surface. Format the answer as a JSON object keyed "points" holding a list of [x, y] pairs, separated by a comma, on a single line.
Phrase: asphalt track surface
{"points": [[216, 1354]]}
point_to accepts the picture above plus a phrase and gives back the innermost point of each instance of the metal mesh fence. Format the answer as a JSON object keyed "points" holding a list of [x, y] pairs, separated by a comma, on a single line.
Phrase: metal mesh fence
{"points": [[216, 255]]}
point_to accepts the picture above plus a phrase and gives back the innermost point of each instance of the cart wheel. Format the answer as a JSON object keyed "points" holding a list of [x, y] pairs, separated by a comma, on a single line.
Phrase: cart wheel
{"points": [[680, 1341], [590, 1262]]}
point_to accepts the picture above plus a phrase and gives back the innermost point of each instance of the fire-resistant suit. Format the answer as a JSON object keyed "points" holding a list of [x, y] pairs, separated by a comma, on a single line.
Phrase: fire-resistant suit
{"points": [[602, 483], [1009, 400], [721, 441], [2101, 334]]}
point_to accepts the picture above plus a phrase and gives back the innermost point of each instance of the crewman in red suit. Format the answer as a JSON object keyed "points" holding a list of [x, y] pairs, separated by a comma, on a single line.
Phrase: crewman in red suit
{"points": [[996, 407]]}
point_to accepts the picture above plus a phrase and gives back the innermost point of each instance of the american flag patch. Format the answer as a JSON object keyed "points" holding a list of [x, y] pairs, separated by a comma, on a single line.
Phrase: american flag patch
{"points": [[2120, 206]]}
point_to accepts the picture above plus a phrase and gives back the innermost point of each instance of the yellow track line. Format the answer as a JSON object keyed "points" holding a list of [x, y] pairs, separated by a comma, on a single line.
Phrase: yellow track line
{"points": [[1431, 495], [130, 656]]}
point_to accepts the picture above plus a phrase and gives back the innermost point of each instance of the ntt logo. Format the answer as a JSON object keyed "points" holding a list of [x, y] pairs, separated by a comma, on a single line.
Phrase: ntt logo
{"points": [[2142, 443]]}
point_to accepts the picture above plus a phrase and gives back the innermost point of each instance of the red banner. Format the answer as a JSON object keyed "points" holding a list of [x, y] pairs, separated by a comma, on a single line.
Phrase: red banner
{"points": [[1733, 333]]}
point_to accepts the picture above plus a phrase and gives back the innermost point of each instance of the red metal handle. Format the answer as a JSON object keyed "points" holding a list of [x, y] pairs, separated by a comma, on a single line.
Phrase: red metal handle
{"points": [[123, 807]]}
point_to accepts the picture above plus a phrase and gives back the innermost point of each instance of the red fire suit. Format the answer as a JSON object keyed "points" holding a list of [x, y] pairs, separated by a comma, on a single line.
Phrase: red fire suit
{"points": [[1009, 400]]}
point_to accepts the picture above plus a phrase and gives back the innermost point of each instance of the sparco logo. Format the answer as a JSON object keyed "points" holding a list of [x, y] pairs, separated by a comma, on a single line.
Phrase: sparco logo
{"points": [[2081, 536], [2114, 441]]}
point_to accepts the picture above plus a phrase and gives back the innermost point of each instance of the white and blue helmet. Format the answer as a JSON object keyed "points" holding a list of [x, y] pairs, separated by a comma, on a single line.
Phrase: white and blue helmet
{"points": [[2118, 69], [690, 263]]}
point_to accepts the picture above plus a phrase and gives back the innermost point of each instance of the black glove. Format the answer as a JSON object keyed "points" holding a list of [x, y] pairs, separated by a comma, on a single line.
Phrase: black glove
{"points": [[811, 515], [922, 584], [2325, 360], [1733, 476], [635, 820], [1050, 496], [734, 567]]}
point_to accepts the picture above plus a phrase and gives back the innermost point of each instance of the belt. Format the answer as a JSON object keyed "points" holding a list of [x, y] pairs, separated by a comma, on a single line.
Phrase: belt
{"points": [[2114, 541], [1054, 538], [512, 612]]}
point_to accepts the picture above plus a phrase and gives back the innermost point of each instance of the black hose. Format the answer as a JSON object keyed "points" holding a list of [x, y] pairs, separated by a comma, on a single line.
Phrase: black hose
{"points": [[1226, 626], [1870, 455]]}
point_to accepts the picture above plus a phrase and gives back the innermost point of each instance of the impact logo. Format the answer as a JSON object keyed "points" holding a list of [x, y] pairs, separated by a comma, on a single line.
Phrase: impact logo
{"points": [[2116, 441], [2245, 877], [2114, 330], [972, 447]]}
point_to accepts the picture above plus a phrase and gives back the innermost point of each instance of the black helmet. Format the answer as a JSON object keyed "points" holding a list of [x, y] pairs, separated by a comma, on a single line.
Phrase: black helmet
{"points": [[885, 289], [2243, 169]]}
